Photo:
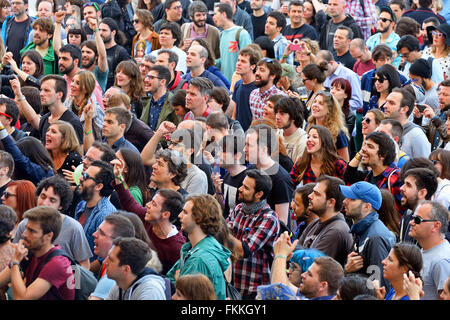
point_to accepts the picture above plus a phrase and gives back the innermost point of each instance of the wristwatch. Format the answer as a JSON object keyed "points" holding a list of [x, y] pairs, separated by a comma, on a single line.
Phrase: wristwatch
{"points": [[14, 263]]}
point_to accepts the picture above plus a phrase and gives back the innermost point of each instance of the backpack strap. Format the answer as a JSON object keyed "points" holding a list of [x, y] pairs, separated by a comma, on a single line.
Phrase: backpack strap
{"points": [[238, 35], [389, 179]]}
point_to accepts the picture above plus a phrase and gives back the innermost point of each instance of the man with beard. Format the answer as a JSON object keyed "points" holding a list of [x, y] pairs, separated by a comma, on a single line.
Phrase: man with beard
{"points": [[435, 129], [198, 28], [268, 72], [254, 227], [53, 94], [420, 184], [330, 233], [115, 53], [43, 30], [95, 188], [300, 203], [258, 16], [372, 240], [43, 227], [16, 29], [173, 13], [289, 120], [156, 105], [93, 56]]}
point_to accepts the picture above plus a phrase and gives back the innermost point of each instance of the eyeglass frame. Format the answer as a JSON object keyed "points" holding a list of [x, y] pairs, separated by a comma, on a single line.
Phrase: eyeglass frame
{"points": [[85, 177], [91, 4], [419, 220], [7, 194]]}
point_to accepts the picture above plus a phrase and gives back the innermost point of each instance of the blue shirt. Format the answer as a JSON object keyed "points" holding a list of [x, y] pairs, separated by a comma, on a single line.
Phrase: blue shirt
{"points": [[123, 143], [155, 110], [343, 72], [209, 75]]}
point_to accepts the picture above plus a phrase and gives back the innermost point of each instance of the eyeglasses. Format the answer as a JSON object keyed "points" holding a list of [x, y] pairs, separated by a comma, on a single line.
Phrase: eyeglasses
{"points": [[87, 177], [404, 55], [6, 115], [380, 79], [91, 4], [17, 3], [419, 220], [152, 77], [366, 120], [437, 34], [135, 20], [435, 161], [385, 19], [6, 194]]}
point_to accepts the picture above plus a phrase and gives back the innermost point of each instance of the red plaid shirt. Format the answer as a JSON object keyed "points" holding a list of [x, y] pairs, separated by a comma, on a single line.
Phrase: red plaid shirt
{"points": [[258, 100], [309, 176], [259, 232], [367, 19]]}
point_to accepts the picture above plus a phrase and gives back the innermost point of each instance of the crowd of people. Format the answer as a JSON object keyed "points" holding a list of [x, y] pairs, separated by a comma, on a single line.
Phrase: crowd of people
{"points": [[232, 149]]}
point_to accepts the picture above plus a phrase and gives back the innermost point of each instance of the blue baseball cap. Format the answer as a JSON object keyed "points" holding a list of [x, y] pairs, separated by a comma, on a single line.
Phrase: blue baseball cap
{"points": [[364, 191]]}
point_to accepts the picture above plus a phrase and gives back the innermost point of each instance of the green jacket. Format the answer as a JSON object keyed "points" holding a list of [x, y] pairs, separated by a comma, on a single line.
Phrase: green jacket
{"points": [[167, 111], [208, 257], [50, 59]]}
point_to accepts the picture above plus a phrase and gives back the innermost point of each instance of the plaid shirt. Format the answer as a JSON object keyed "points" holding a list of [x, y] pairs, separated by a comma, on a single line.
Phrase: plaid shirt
{"points": [[395, 184], [259, 232], [309, 176], [258, 100], [367, 19]]}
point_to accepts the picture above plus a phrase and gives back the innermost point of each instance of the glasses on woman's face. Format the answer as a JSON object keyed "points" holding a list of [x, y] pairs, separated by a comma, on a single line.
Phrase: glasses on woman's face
{"points": [[437, 34], [380, 79], [7, 194], [135, 20]]}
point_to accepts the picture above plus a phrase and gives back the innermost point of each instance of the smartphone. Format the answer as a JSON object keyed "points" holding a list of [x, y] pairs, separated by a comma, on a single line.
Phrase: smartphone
{"points": [[421, 107], [294, 47]]}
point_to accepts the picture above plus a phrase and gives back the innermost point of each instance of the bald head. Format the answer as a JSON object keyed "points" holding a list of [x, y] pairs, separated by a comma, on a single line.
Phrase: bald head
{"points": [[196, 57], [359, 50]]}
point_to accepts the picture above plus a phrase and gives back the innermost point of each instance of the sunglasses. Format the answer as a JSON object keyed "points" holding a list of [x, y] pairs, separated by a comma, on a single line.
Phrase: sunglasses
{"points": [[87, 177], [380, 80], [6, 195], [366, 120], [267, 60], [437, 34], [92, 4], [135, 20], [419, 220], [385, 19]]}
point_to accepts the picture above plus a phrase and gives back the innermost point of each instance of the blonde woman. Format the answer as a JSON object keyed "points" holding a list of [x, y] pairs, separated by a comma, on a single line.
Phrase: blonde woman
{"points": [[326, 111], [439, 48], [81, 94]]}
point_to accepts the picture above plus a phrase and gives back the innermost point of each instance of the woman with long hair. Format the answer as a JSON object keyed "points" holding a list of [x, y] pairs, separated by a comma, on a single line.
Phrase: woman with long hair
{"points": [[439, 49], [61, 141], [146, 40], [371, 121], [325, 111], [441, 160], [134, 174], [320, 157], [403, 258], [194, 287], [29, 74], [309, 13], [341, 89], [388, 213], [82, 93], [129, 79], [385, 79], [20, 195], [148, 4]]}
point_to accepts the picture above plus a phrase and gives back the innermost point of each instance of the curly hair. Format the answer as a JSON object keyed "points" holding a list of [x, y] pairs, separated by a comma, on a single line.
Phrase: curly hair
{"points": [[175, 163], [207, 213]]}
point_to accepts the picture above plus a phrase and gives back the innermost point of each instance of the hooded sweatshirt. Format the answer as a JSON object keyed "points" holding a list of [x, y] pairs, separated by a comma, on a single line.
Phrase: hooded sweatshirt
{"points": [[208, 257], [148, 286]]}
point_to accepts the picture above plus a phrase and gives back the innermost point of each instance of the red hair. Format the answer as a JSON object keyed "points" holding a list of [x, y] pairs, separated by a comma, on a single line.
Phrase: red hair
{"points": [[26, 196]]}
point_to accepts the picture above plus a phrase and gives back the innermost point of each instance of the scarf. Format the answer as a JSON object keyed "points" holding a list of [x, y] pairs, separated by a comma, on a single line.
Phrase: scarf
{"points": [[253, 208]]}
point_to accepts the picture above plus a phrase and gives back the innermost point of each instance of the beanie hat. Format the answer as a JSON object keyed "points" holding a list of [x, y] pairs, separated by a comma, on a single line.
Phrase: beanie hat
{"points": [[421, 68]]}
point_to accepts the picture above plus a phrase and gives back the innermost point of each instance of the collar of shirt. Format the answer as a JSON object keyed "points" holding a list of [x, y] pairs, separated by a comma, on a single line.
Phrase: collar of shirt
{"points": [[159, 101], [269, 92]]}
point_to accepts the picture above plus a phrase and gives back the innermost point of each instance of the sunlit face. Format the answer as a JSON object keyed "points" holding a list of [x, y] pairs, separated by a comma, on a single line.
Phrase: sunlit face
{"points": [[28, 66], [75, 39], [243, 65], [444, 96], [9, 197], [295, 274], [409, 192], [397, 10], [45, 10], [89, 12], [154, 209], [53, 138], [187, 219], [296, 14], [33, 236], [166, 38], [391, 267], [271, 28], [194, 98], [369, 153], [422, 230], [308, 10], [313, 142], [40, 36], [340, 40], [92, 154], [110, 92], [339, 93], [75, 88], [445, 294], [199, 19], [88, 57], [123, 80], [262, 75], [268, 110], [48, 197], [310, 282], [336, 8], [6, 11], [318, 199], [175, 11], [438, 38], [368, 123], [381, 83], [283, 120], [113, 268], [319, 108], [247, 190], [392, 106], [160, 172], [103, 239]]}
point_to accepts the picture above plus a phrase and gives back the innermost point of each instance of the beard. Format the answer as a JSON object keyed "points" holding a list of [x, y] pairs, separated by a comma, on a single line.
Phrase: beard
{"points": [[68, 69], [319, 211], [261, 83], [383, 30], [200, 24], [86, 193], [89, 64]]}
